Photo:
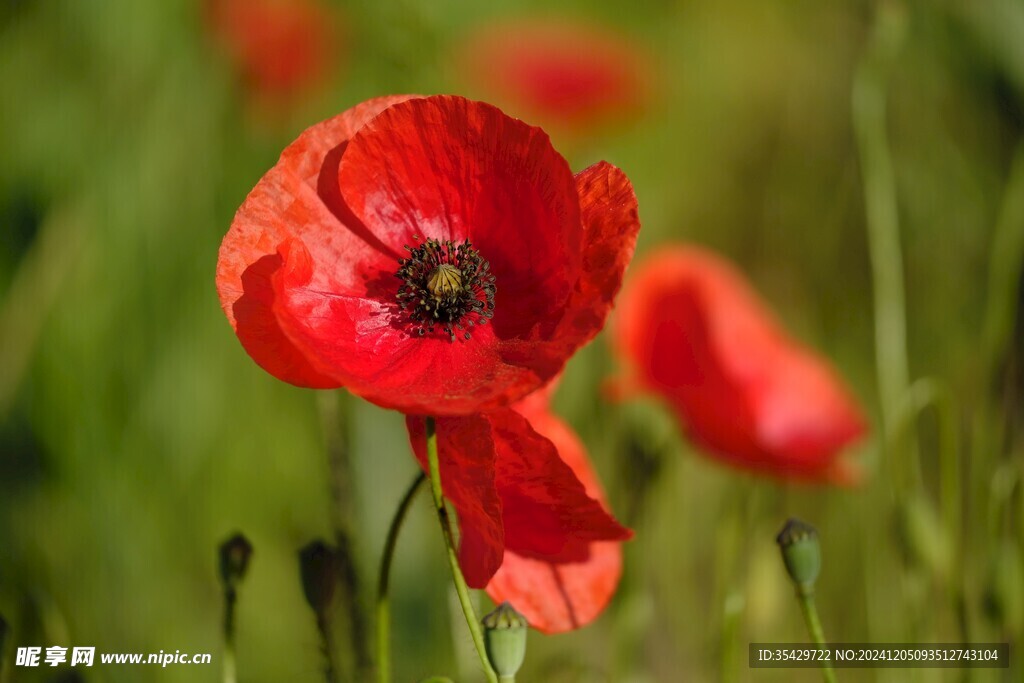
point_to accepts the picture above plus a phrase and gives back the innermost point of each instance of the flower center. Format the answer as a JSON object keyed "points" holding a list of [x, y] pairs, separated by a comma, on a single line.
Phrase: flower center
{"points": [[446, 285]]}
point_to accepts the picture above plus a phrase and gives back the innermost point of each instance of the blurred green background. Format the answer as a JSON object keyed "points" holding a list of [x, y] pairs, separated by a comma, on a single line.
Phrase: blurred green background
{"points": [[135, 433]]}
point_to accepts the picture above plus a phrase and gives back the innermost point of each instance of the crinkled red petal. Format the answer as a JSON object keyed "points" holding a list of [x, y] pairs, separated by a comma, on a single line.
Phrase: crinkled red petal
{"points": [[695, 332], [611, 223], [289, 202], [553, 596], [545, 512]]}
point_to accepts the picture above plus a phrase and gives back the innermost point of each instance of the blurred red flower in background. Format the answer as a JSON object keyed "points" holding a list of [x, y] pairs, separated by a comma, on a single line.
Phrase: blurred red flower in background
{"points": [[432, 255], [561, 72], [693, 331], [281, 47], [533, 526]]}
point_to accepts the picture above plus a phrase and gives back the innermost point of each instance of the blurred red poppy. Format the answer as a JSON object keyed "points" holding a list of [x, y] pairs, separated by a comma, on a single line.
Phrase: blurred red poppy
{"points": [[432, 255], [695, 332], [281, 47], [562, 72], [533, 527]]}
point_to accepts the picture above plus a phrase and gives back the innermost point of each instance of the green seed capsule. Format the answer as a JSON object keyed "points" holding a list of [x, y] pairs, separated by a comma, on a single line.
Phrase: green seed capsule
{"points": [[505, 640], [801, 552]]}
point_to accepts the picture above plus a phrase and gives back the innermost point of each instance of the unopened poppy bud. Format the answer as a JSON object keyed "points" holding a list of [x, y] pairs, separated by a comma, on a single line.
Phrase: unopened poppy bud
{"points": [[318, 565], [234, 559], [505, 640], [801, 552]]}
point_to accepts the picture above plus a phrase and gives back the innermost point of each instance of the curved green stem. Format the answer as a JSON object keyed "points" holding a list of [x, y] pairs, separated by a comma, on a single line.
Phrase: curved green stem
{"points": [[805, 595], [383, 598], [453, 561]]}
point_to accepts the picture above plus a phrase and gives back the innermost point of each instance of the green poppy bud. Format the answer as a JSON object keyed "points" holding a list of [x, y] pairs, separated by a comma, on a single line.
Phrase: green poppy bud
{"points": [[318, 565], [801, 552], [234, 559], [505, 640]]}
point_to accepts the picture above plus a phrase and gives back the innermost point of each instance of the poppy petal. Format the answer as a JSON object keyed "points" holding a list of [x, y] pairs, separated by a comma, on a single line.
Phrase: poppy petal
{"points": [[560, 596], [286, 203], [544, 511], [548, 513], [611, 223]]}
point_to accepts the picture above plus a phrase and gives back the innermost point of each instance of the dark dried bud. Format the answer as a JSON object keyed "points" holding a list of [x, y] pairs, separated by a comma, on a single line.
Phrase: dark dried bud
{"points": [[318, 565], [234, 559]]}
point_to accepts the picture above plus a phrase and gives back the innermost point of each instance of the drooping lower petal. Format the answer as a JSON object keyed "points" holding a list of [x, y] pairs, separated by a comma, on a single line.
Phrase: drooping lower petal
{"points": [[544, 512], [560, 596]]}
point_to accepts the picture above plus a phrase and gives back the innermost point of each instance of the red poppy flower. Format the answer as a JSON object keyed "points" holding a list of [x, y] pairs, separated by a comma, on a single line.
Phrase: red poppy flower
{"points": [[432, 255], [563, 72], [281, 46], [696, 333], [528, 503]]}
